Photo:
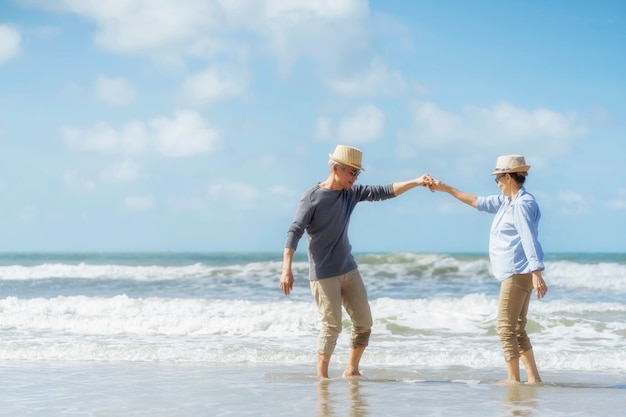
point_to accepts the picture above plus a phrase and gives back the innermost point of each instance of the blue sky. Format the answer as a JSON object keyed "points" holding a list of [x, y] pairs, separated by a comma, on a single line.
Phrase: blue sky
{"points": [[146, 125]]}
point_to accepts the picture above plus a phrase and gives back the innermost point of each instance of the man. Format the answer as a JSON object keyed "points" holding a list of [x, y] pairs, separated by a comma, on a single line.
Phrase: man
{"points": [[324, 214]]}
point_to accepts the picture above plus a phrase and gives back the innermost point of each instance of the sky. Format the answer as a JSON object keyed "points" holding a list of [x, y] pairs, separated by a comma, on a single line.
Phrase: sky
{"points": [[196, 125]]}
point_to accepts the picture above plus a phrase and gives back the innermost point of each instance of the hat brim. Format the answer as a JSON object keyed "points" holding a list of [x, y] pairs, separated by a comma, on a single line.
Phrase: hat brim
{"points": [[521, 168], [351, 165]]}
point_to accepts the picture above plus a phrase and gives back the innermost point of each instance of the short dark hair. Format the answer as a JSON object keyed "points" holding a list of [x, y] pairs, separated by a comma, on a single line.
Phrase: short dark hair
{"points": [[518, 178]]}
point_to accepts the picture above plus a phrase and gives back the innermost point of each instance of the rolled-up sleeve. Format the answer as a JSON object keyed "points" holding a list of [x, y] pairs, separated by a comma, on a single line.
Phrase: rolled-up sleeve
{"points": [[374, 192], [489, 204]]}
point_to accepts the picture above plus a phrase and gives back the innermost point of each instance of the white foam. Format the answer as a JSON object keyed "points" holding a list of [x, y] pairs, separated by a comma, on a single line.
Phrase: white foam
{"points": [[604, 276], [420, 332]]}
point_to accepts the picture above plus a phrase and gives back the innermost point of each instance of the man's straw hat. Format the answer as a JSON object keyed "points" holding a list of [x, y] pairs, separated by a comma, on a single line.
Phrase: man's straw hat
{"points": [[507, 164], [347, 155]]}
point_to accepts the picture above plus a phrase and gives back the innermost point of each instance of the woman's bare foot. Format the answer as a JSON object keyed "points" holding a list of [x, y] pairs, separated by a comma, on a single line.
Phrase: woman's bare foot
{"points": [[351, 373]]}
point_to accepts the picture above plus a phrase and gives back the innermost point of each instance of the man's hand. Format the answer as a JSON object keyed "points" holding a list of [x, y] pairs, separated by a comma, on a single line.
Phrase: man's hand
{"points": [[286, 281]]}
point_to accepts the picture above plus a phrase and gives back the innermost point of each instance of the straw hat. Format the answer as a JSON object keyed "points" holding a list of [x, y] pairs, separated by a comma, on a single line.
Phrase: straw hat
{"points": [[511, 163], [347, 155]]}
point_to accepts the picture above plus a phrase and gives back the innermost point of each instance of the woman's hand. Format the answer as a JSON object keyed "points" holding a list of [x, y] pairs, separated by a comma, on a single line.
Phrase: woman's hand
{"points": [[540, 286]]}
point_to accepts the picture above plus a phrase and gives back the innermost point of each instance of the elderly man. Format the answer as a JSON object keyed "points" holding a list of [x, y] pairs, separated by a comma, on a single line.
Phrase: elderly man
{"points": [[324, 214]]}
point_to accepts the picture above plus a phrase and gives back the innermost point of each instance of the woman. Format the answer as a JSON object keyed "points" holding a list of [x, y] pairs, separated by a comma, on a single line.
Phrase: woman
{"points": [[516, 257]]}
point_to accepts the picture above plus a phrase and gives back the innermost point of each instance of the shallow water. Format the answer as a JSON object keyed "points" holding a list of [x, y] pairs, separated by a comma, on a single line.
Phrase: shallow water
{"points": [[154, 389]]}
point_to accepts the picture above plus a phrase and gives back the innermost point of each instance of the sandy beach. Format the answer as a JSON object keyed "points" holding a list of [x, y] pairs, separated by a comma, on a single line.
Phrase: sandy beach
{"points": [[161, 389]]}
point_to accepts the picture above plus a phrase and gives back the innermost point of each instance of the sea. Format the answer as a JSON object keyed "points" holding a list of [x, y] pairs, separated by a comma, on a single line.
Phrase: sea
{"points": [[182, 334]]}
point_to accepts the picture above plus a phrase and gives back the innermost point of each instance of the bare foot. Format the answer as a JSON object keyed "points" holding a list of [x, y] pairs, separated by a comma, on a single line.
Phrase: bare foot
{"points": [[508, 382], [351, 374]]}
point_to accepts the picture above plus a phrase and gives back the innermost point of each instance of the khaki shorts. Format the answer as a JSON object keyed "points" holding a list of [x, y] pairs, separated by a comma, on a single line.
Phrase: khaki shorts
{"points": [[347, 290], [515, 295]]}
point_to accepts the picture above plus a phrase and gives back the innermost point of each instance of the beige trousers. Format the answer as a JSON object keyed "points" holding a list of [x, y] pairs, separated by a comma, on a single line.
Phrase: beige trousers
{"points": [[515, 295], [347, 290]]}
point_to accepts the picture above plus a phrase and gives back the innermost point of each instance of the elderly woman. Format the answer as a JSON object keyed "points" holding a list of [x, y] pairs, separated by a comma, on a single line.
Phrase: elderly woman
{"points": [[516, 257]]}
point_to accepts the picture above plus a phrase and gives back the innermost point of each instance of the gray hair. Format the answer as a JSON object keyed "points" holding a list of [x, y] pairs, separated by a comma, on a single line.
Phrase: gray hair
{"points": [[332, 163]]}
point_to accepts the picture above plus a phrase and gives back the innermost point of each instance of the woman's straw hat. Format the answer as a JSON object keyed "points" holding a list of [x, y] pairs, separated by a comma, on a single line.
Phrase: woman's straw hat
{"points": [[511, 163], [347, 155]]}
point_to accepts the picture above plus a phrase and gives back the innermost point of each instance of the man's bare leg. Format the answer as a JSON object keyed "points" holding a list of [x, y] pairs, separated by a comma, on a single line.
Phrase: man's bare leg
{"points": [[322, 365], [352, 367], [528, 359]]}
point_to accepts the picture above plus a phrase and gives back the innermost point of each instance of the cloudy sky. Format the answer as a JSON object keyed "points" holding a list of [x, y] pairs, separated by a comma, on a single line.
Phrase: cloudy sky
{"points": [[143, 125]]}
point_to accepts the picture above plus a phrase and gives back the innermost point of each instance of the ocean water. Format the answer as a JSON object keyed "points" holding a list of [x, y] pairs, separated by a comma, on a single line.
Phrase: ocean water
{"points": [[221, 317]]}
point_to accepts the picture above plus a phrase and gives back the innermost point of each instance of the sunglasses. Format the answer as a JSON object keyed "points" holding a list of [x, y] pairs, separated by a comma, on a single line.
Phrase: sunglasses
{"points": [[352, 172]]}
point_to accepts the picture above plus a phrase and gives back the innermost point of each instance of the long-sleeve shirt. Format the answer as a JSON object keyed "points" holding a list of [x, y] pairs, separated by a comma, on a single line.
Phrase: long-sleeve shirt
{"points": [[325, 216], [514, 247]]}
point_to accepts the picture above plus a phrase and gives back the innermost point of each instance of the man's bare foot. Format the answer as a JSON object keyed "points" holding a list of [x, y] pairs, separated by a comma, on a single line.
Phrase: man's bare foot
{"points": [[508, 382]]}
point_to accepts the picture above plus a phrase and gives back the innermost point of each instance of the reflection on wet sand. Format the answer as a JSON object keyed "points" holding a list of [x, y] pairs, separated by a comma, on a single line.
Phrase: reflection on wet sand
{"points": [[330, 402], [520, 400]]}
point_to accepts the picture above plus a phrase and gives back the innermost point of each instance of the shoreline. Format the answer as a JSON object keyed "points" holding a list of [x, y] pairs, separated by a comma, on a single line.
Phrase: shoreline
{"points": [[262, 389]]}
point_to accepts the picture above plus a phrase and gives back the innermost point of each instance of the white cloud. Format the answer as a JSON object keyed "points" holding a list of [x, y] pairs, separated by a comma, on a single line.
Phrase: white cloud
{"points": [[233, 194], [364, 125], [420, 89], [139, 26], [28, 214], [619, 203], [72, 91], [497, 128], [185, 134], [139, 203], [324, 129], [100, 138], [215, 84], [376, 80], [571, 197], [281, 190], [10, 40], [325, 30], [331, 32], [573, 203], [73, 180], [114, 91], [125, 171]]}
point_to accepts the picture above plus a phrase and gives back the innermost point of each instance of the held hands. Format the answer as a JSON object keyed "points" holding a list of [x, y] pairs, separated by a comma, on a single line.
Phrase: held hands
{"points": [[426, 181], [436, 185], [431, 183]]}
